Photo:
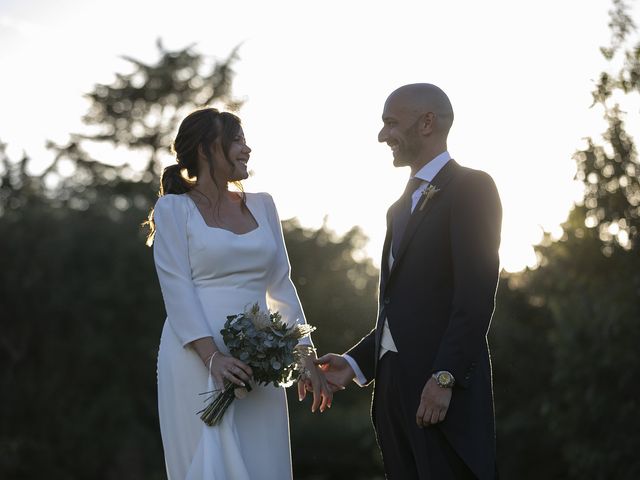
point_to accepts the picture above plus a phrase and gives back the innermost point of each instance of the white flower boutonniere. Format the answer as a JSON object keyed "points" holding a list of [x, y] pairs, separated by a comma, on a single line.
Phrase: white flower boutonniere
{"points": [[427, 194]]}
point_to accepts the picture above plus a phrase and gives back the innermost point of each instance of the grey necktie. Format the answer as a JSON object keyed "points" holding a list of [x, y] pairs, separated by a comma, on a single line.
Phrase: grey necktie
{"points": [[402, 214]]}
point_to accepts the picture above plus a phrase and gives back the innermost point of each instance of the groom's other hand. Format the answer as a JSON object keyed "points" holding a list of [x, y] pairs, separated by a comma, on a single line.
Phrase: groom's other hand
{"points": [[337, 370], [434, 403]]}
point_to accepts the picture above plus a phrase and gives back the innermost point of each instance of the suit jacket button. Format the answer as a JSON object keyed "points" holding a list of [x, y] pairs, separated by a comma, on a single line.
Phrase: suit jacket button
{"points": [[387, 300]]}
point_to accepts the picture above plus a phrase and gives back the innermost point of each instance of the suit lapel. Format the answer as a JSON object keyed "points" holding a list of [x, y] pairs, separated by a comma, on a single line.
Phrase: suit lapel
{"points": [[444, 176], [386, 250]]}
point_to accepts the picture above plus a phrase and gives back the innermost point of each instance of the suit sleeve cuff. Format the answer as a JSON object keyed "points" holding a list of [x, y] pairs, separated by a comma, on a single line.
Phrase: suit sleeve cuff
{"points": [[360, 378]]}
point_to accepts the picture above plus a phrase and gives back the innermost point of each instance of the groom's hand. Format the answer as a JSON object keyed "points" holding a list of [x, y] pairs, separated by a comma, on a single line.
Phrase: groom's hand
{"points": [[337, 370], [434, 403]]}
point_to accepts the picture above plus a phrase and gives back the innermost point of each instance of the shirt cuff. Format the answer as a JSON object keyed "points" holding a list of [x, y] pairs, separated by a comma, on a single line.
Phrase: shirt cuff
{"points": [[360, 378]]}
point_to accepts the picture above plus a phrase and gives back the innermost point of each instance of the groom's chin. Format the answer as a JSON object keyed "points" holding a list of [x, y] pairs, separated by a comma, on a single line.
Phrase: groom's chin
{"points": [[398, 161]]}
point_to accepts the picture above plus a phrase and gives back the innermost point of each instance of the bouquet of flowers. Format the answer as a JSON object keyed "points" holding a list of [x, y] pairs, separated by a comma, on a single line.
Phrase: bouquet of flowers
{"points": [[267, 344]]}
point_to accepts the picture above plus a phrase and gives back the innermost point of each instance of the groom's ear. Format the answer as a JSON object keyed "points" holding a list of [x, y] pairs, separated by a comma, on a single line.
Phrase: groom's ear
{"points": [[427, 123]]}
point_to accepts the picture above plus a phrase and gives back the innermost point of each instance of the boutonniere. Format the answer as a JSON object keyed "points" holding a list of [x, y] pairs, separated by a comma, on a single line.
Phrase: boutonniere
{"points": [[427, 194]]}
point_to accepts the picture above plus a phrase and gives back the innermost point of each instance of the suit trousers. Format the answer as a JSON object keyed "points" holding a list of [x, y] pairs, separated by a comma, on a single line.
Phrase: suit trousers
{"points": [[409, 452]]}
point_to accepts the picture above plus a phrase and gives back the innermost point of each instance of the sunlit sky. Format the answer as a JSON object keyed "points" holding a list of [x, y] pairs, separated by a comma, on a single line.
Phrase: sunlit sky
{"points": [[314, 77]]}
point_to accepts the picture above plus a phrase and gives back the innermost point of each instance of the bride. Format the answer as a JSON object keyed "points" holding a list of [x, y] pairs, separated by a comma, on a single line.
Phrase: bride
{"points": [[216, 252]]}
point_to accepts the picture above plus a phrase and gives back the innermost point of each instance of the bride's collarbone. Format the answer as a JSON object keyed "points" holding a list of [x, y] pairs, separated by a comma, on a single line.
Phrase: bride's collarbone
{"points": [[228, 216]]}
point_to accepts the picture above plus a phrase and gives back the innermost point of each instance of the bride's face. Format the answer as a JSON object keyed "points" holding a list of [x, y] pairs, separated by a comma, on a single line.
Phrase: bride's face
{"points": [[234, 166]]}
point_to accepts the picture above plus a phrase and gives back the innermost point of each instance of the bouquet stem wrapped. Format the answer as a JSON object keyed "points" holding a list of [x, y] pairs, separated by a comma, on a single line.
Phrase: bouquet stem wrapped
{"points": [[212, 414], [268, 345]]}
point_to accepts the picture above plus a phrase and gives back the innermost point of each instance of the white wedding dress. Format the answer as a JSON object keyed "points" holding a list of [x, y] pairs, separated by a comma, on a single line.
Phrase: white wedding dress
{"points": [[205, 274]]}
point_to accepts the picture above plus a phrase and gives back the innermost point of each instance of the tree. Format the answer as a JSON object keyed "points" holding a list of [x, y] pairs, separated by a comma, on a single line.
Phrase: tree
{"points": [[521, 354], [141, 109], [597, 306], [585, 296]]}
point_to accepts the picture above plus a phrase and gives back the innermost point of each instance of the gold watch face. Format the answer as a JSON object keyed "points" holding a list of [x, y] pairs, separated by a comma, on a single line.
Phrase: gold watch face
{"points": [[444, 378]]}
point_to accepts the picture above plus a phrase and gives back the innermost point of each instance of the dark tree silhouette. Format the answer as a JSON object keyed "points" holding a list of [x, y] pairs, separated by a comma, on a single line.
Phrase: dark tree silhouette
{"points": [[576, 372]]}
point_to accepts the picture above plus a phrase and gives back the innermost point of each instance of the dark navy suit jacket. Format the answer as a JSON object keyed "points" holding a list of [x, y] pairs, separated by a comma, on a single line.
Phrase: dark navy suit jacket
{"points": [[438, 299]]}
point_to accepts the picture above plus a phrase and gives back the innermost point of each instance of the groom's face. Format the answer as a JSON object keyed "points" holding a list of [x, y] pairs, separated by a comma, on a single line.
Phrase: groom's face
{"points": [[400, 132]]}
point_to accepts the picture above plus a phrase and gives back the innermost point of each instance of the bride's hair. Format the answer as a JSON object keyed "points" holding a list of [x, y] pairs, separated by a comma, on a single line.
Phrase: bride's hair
{"points": [[198, 132]]}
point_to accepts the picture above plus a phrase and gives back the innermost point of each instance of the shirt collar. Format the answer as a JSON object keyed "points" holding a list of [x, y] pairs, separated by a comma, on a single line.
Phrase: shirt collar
{"points": [[431, 169]]}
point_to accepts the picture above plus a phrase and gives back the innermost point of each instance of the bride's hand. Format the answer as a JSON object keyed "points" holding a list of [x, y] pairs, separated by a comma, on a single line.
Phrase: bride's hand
{"points": [[317, 383], [225, 367]]}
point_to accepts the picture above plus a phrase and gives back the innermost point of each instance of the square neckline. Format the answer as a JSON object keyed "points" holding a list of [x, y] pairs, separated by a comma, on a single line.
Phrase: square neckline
{"points": [[193, 203]]}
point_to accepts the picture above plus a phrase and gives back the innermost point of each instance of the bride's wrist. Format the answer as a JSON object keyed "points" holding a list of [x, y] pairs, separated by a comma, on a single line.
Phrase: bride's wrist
{"points": [[305, 355], [205, 347], [209, 358]]}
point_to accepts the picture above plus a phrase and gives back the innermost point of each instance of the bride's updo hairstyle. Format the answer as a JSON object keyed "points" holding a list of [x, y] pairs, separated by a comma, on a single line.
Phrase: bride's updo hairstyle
{"points": [[198, 132]]}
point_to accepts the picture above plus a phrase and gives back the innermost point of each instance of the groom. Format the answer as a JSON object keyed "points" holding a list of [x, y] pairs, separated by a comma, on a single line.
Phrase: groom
{"points": [[433, 405]]}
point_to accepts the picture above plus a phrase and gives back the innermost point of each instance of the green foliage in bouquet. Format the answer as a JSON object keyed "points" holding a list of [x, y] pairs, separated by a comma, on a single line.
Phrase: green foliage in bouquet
{"points": [[268, 345], [265, 343]]}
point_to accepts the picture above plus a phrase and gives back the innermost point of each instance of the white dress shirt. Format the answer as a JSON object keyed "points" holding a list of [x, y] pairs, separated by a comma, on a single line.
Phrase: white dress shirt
{"points": [[426, 174]]}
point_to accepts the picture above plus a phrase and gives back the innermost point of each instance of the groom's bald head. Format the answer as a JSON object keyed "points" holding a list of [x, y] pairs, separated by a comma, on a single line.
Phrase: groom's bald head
{"points": [[416, 121], [422, 98]]}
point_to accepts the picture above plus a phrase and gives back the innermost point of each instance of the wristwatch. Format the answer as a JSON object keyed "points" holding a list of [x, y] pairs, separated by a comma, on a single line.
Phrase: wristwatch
{"points": [[444, 379]]}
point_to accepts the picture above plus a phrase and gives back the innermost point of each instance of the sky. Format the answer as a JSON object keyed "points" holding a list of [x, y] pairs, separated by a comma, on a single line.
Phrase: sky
{"points": [[314, 77]]}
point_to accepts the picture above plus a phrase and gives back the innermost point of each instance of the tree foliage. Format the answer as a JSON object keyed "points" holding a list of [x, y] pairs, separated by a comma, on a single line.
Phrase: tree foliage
{"points": [[141, 109], [581, 309]]}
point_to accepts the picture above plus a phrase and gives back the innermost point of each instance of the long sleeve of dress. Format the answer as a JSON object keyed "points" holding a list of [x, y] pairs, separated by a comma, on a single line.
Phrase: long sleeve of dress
{"points": [[171, 256], [281, 293]]}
